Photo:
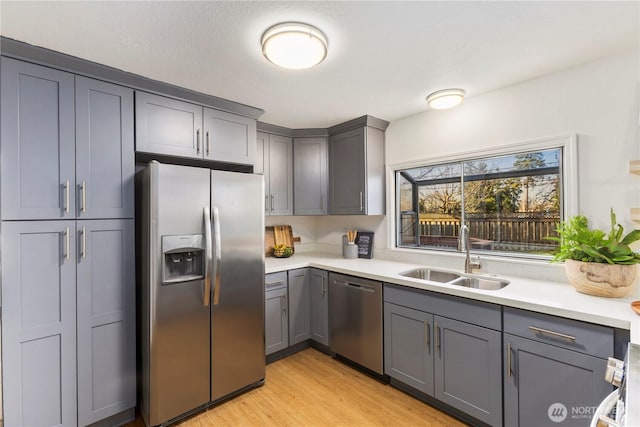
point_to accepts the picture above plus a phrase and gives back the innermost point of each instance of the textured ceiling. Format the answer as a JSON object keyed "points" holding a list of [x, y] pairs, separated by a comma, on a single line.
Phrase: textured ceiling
{"points": [[384, 57]]}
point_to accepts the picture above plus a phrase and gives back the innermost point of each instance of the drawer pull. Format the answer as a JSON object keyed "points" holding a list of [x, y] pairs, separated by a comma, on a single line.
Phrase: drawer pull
{"points": [[537, 330], [509, 359]]}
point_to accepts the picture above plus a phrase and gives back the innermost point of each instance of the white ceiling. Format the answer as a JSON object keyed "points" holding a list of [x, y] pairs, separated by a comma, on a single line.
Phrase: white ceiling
{"points": [[384, 57]]}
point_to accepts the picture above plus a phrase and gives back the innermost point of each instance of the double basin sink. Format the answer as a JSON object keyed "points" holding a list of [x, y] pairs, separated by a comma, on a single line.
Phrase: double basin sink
{"points": [[450, 278]]}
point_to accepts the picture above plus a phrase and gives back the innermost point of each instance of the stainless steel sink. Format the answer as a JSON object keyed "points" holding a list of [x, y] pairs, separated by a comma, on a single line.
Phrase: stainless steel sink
{"points": [[486, 283], [450, 278], [431, 274]]}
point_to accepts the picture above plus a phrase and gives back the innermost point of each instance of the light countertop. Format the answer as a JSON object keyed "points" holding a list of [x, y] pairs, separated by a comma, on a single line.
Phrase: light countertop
{"points": [[558, 299]]}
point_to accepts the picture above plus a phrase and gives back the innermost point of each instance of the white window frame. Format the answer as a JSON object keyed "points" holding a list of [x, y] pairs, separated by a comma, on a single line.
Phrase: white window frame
{"points": [[569, 167]]}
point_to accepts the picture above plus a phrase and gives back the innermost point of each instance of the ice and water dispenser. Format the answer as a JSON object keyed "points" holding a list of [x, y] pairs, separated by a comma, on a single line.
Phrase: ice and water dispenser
{"points": [[183, 258]]}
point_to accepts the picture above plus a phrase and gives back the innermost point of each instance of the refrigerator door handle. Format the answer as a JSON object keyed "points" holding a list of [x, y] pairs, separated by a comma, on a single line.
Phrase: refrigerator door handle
{"points": [[207, 274], [218, 255]]}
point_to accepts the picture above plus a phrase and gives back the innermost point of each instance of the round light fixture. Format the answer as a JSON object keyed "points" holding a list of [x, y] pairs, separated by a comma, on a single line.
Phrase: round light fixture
{"points": [[446, 98], [294, 45]]}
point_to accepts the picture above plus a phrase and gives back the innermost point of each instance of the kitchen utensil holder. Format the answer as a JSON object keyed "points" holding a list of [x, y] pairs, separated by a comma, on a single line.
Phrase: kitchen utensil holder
{"points": [[350, 250]]}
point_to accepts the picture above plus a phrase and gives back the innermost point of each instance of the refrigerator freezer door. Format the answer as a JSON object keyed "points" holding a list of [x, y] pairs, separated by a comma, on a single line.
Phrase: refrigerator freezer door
{"points": [[177, 357], [237, 309]]}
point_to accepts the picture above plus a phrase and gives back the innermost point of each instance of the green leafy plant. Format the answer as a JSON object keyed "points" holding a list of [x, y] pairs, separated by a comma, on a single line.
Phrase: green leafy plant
{"points": [[580, 243]]}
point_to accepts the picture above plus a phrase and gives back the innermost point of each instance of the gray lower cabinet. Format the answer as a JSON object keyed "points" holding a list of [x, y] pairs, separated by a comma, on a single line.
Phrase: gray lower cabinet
{"points": [[468, 368], [106, 318], [37, 134], [319, 305], [431, 345], [310, 175], [554, 369], [39, 323], [277, 164], [104, 150], [298, 305], [177, 128], [356, 171], [68, 327], [276, 318]]}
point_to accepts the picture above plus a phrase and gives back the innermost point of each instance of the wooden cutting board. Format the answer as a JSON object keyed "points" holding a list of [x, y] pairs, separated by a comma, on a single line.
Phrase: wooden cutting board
{"points": [[278, 235]]}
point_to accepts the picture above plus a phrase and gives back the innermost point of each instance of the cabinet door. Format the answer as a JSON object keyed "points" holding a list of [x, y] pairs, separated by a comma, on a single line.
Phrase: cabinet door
{"points": [[298, 305], [39, 323], [545, 385], [106, 319], [319, 305], [229, 137], [408, 349], [280, 175], [347, 172], [37, 167], [310, 171], [467, 369], [104, 149], [168, 126], [276, 325]]}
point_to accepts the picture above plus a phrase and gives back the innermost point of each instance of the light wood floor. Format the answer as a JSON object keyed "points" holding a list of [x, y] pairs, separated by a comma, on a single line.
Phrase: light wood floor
{"points": [[312, 389]]}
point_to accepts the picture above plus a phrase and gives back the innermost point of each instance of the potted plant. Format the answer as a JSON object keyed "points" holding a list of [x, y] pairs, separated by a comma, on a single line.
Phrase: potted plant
{"points": [[597, 263]]}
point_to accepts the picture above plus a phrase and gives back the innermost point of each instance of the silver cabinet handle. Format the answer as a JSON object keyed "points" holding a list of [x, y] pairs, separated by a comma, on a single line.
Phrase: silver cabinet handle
{"points": [[218, 255], [537, 330], [437, 337], [284, 306], [66, 197], [83, 197], [509, 359], [272, 202], [427, 334], [266, 203], [361, 201], [67, 244], [83, 244], [206, 217], [198, 141], [208, 144], [324, 289]]}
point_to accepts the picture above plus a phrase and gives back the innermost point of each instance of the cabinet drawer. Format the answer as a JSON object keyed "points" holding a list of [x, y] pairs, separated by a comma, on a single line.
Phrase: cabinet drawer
{"points": [[273, 279], [584, 337], [463, 309]]}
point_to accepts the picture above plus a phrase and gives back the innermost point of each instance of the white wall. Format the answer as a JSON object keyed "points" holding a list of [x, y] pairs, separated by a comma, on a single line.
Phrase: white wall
{"points": [[598, 101]]}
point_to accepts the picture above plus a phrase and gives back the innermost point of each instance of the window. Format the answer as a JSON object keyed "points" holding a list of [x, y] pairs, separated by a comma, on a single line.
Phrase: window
{"points": [[510, 201]]}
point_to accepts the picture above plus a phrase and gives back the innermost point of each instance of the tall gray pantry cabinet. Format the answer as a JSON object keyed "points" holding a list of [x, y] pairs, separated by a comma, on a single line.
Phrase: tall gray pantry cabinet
{"points": [[68, 309]]}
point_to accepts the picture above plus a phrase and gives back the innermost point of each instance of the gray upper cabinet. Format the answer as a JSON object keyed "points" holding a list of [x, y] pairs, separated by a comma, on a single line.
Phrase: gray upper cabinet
{"points": [[106, 319], [39, 323], [104, 150], [310, 175], [319, 305], [278, 175], [37, 170], [356, 168], [177, 128], [298, 305], [229, 137], [168, 126]]}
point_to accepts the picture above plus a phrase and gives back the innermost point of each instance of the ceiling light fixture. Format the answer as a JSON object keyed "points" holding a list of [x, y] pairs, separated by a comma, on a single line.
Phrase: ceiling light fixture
{"points": [[294, 45], [446, 98]]}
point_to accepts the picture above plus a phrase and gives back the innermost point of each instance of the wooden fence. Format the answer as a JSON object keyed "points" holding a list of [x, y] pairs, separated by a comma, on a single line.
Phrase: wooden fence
{"points": [[529, 228]]}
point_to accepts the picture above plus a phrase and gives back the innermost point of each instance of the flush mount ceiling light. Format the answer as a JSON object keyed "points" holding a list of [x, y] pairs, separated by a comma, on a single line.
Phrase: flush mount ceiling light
{"points": [[446, 98], [294, 45]]}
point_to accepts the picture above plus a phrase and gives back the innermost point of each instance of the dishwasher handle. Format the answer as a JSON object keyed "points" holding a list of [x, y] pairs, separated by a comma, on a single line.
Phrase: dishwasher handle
{"points": [[356, 286]]}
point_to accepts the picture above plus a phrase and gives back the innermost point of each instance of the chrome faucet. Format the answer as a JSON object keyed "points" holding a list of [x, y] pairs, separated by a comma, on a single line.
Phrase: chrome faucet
{"points": [[465, 245]]}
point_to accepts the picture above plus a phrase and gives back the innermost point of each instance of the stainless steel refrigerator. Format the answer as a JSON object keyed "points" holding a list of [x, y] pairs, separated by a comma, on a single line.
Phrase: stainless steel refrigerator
{"points": [[201, 287]]}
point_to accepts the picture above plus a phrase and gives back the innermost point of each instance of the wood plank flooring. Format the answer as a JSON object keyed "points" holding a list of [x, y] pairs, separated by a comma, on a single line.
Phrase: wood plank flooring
{"points": [[312, 389]]}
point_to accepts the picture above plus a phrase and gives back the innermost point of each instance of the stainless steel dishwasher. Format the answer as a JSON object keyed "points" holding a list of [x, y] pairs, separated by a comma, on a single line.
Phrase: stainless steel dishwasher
{"points": [[355, 320]]}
